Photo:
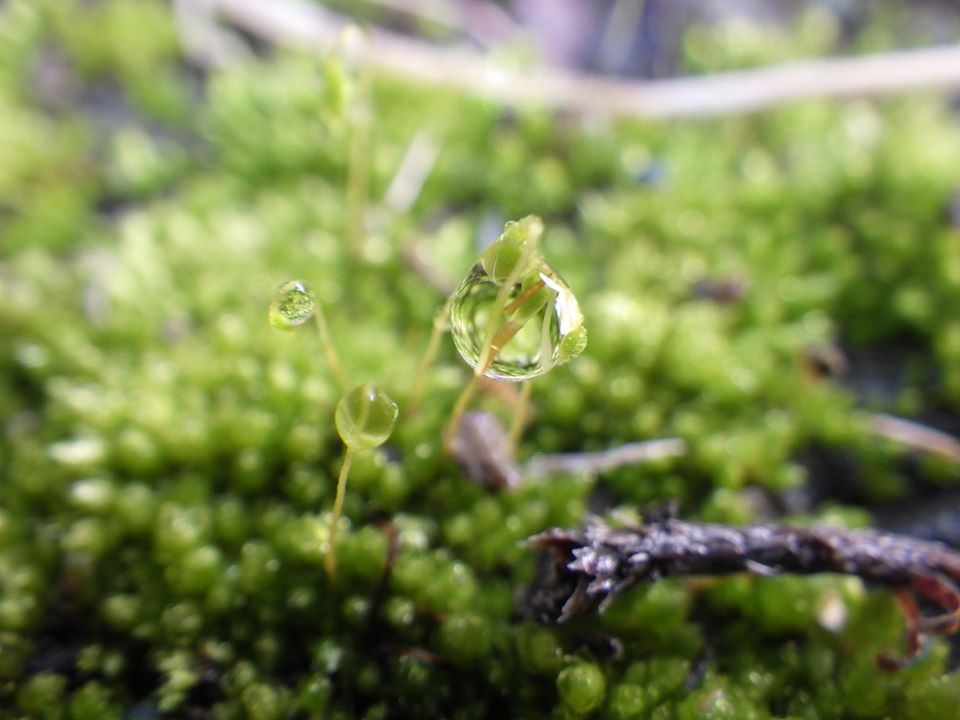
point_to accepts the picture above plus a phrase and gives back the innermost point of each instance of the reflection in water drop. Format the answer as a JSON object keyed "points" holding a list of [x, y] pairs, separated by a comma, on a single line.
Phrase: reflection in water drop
{"points": [[365, 417], [541, 325], [293, 304]]}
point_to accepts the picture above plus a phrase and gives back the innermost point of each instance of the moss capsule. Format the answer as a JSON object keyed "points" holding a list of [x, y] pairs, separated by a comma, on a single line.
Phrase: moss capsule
{"points": [[365, 417]]}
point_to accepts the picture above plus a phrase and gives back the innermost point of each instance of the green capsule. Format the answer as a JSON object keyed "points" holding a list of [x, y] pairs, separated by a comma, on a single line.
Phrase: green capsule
{"points": [[515, 251], [293, 304], [365, 417], [513, 317]]}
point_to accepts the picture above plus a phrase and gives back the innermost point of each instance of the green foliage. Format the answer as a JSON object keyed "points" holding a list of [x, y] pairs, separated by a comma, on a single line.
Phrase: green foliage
{"points": [[167, 459], [581, 687]]}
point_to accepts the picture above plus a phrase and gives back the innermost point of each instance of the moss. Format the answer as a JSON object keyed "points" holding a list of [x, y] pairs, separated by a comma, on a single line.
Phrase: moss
{"points": [[168, 460], [581, 687]]}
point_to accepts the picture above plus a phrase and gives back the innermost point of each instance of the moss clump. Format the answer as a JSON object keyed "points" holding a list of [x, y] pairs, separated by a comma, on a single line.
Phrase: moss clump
{"points": [[168, 460], [581, 687]]}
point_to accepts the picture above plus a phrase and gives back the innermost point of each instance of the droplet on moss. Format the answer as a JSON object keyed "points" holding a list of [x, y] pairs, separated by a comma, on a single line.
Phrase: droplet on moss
{"points": [[542, 325], [293, 304], [365, 417]]}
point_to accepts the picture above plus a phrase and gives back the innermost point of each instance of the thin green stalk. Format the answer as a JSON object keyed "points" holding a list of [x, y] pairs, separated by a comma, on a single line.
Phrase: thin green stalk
{"points": [[329, 350], [330, 561], [521, 413], [458, 409], [429, 355]]}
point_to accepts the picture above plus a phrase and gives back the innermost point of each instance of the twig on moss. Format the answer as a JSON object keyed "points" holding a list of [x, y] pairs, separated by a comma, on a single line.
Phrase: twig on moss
{"points": [[485, 451], [916, 436], [540, 466], [303, 25], [587, 569]]}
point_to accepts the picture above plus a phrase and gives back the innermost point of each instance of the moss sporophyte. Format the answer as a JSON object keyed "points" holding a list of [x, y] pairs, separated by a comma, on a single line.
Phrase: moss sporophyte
{"points": [[513, 318], [364, 416], [294, 304]]}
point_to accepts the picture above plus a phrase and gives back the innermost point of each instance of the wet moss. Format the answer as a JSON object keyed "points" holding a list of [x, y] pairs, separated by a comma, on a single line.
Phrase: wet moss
{"points": [[168, 460]]}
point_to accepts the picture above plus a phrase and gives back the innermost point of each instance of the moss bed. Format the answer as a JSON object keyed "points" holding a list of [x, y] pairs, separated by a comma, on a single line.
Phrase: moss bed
{"points": [[168, 460]]}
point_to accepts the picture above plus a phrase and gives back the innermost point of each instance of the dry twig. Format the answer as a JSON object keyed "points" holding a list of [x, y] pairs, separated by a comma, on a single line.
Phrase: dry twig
{"points": [[916, 436], [299, 24], [540, 466]]}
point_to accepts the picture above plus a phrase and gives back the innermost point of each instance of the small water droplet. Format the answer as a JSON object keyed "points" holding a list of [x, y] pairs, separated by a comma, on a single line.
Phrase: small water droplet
{"points": [[365, 417], [293, 304], [541, 324]]}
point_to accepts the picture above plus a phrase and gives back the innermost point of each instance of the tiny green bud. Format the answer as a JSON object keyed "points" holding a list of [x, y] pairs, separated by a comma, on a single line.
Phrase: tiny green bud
{"points": [[628, 700], [400, 612], [121, 611], [465, 637], [136, 506], [365, 553], [92, 702], [539, 649], [41, 695], [183, 620], [199, 569], [313, 694], [518, 243], [582, 687], [264, 701]]}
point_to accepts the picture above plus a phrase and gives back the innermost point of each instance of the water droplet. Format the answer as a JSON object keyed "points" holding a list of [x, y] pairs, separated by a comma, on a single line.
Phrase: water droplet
{"points": [[293, 304], [541, 325], [365, 417]]}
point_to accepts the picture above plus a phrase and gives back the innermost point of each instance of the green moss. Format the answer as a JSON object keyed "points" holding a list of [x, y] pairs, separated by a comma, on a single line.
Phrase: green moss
{"points": [[581, 687], [168, 461]]}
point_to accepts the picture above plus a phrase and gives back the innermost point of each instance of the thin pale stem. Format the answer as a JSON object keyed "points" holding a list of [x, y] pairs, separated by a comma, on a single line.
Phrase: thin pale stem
{"points": [[490, 352], [916, 436], [541, 466], [458, 409], [429, 355], [330, 351], [520, 414], [330, 561]]}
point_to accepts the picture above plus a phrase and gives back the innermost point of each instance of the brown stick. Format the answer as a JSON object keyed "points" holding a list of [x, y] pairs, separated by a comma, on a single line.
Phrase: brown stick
{"points": [[916, 436], [298, 24]]}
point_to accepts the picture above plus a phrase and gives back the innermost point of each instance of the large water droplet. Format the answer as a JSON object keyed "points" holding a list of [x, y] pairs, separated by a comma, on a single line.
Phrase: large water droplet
{"points": [[540, 326], [365, 417], [292, 305]]}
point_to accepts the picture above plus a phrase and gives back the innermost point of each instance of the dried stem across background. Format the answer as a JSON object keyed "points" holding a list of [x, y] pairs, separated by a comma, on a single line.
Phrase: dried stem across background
{"points": [[303, 25]]}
